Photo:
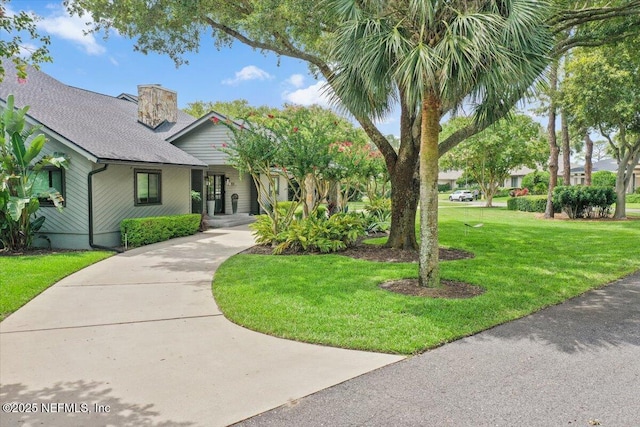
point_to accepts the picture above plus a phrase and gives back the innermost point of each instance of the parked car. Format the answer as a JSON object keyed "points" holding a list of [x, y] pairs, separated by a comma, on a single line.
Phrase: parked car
{"points": [[461, 196]]}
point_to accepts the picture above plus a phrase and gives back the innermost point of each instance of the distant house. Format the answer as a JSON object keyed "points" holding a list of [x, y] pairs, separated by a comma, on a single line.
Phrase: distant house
{"points": [[514, 180], [130, 156], [611, 165]]}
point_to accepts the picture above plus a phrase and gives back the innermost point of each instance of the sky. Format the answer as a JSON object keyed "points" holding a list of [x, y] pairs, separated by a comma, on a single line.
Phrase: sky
{"points": [[112, 67]]}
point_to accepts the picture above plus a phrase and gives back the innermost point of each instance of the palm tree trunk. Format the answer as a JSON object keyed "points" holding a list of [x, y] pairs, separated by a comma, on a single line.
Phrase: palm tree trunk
{"points": [[429, 256], [566, 149], [553, 143], [588, 162]]}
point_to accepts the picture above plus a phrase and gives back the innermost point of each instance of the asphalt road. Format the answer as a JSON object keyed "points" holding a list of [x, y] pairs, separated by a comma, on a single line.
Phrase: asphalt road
{"points": [[574, 364]]}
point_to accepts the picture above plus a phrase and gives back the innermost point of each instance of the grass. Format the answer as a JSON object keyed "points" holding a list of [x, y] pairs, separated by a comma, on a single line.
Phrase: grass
{"points": [[25, 276], [523, 263]]}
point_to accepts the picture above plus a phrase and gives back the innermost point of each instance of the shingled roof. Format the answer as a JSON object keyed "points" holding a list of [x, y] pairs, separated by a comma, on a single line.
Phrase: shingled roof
{"points": [[104, 126]]}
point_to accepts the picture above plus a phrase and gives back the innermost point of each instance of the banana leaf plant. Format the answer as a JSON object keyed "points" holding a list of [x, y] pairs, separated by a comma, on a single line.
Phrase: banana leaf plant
{"points": [[20, 147]]}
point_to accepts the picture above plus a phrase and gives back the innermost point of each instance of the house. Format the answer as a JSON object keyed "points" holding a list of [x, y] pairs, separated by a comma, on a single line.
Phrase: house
{"points": [[129, 156], [514, 180], [611, 165]]}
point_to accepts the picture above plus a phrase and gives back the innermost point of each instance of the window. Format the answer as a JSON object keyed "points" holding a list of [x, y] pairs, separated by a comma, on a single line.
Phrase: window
{"points": [[148, 186], [514, 181], [46, 179], [276, 184]]}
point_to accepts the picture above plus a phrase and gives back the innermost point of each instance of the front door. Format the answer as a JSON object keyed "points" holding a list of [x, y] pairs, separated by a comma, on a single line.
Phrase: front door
{"points": [[215, 192]]}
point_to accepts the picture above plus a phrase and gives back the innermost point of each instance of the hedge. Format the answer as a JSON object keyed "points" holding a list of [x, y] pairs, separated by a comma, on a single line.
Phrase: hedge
{"points": [[144, 231], [529, 204], [633, 198]]}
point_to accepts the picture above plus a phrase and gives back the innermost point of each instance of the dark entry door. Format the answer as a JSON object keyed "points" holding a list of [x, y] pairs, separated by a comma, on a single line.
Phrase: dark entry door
{"points": [[215, 191]]}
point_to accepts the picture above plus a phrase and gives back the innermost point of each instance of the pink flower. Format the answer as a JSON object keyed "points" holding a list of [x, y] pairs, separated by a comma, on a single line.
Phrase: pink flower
{"points": [[215, 120], [22, 80], [224, 145]]}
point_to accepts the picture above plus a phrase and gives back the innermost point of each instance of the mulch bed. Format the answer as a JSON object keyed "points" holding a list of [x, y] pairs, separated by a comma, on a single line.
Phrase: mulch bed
{"points": [[37, 251], [448, 289], [377, 253]]}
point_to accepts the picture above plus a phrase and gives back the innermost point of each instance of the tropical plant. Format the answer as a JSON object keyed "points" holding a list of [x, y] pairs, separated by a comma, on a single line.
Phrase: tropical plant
{"points": [[434, 56], [20, 146]]}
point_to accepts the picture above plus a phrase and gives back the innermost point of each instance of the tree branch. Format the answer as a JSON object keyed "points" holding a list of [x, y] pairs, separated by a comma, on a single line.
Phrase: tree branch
{"points": [[568, 19]]}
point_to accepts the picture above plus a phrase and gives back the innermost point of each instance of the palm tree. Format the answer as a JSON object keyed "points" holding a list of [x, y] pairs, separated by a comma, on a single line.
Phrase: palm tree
{"points": [[437, 56]]}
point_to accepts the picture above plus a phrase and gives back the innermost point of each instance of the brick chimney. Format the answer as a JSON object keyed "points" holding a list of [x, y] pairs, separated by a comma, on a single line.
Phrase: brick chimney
{"points": [[156, 105]]}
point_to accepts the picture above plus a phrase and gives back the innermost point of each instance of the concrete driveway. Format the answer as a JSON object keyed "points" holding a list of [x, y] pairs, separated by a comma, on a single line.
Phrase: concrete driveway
{"points": [[137, 340]]}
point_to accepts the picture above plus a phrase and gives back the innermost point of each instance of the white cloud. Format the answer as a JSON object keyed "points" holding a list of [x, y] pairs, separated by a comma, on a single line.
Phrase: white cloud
{"points": [[26, 50], [296, 80], [250, 72], [71, 28], [114, 61], [314, 94]]}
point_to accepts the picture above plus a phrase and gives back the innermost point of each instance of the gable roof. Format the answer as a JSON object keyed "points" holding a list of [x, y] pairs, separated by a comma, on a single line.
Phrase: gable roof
{"points": [[104, 126], [199, 122], [610, 165]]}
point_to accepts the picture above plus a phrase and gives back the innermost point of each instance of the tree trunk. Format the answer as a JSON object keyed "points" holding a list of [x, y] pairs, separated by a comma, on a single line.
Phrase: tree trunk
{"points": [[404, 188], [621, 194], [553, 143], [404, 206], [626, 164], [405, 185], [588, 156], [430, 129], [566, 149]]}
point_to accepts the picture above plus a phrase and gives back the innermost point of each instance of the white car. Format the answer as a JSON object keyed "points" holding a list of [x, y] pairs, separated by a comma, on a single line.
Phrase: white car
{"points": [[461, 196]]}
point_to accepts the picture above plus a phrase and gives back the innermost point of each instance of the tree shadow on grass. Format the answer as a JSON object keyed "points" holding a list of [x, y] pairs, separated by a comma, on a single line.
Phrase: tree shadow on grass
{"points": [[80, 392], [598, 319]]}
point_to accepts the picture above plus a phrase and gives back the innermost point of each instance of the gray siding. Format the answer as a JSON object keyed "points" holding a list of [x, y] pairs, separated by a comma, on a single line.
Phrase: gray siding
{"points": [[204, 143], [113, 199], [70, 227]]}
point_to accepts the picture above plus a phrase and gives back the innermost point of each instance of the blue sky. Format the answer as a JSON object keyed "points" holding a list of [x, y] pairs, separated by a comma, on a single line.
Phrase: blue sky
{"points": [[112, 66]]}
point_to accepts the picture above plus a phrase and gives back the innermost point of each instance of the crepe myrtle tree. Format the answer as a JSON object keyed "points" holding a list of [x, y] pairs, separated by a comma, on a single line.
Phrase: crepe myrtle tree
{"points": [[297, 144], [20, 169]]}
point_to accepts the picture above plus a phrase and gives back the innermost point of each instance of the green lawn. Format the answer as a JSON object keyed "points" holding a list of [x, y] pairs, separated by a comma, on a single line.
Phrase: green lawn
{"points": [[523, 263], [24, 277]]}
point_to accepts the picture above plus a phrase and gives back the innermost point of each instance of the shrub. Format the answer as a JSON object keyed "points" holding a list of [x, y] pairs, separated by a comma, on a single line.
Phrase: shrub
{"points": [[519, 192], [637, 190], [537, 182], [584, 202], [603, 179], [312, 234], [502, 192], [633, 198], [444, 188], [529, 204], [143, 231]]}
